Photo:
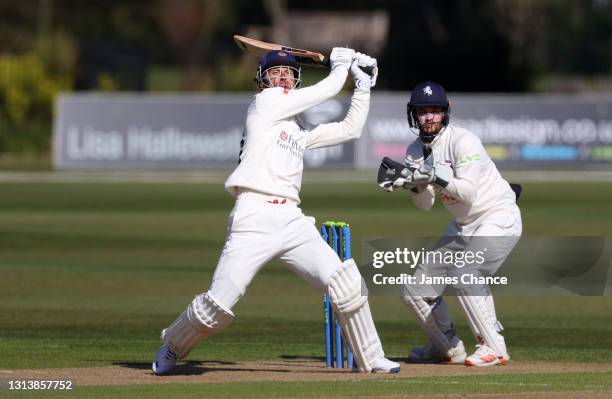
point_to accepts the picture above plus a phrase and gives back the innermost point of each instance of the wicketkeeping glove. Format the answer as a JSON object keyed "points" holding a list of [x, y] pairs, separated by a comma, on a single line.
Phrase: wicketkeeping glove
{"points": [[394, 174], [438, 173]]}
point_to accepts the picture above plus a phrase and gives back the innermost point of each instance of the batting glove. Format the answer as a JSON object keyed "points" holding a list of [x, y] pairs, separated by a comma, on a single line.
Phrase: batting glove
{"points": [[369, 65], [341, 56], [362, 80]]}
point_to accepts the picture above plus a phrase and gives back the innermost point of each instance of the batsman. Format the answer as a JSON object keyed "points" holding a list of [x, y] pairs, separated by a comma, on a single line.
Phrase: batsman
{"points": [[451, 162], [267, 222]]}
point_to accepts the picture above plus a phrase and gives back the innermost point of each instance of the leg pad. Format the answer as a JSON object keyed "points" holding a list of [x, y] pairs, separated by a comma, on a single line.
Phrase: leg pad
{"points": [[349, 299], [203, 317]]}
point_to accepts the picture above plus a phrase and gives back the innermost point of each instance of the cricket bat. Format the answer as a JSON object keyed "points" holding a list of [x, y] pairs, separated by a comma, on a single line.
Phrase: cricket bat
{"points": [[304, 57], [260, 48]]}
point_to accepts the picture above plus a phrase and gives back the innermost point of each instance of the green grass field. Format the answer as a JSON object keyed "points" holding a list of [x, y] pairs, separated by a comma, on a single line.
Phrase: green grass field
{"points": [[90, 274]]}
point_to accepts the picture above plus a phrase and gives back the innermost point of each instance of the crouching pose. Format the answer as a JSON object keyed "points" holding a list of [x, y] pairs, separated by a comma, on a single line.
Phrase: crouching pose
{"points": [[266, 221], [452, 162]]}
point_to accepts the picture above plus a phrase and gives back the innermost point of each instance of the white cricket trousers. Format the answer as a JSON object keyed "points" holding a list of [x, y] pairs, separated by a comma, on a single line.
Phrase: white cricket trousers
{"points": [[505, 223], [263, 227], [503, 228]]}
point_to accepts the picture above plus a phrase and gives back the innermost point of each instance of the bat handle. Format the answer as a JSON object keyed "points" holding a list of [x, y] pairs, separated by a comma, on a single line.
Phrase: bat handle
{"points": [[367, 70]]}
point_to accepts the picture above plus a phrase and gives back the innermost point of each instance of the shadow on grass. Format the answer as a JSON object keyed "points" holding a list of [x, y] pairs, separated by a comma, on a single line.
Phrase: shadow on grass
{"points": [[194, 367], [191, 367], [321, 359], [303, 358]]}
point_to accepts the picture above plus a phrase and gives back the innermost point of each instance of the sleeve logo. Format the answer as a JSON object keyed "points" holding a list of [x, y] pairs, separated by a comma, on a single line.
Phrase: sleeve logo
{"points": [[469, 158]]}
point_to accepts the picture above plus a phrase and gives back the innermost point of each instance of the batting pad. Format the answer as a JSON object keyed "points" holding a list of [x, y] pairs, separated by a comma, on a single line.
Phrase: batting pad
{"points": [[203, 317], [477, 313], [354, 315], [423, 312]]}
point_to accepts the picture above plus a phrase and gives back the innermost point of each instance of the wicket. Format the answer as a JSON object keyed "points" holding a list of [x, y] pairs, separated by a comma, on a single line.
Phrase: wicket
{"points": [[338, 236]]}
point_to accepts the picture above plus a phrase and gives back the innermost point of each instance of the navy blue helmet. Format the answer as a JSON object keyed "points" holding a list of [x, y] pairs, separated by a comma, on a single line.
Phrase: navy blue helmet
{"points": [[427, 94], [273, 59]]}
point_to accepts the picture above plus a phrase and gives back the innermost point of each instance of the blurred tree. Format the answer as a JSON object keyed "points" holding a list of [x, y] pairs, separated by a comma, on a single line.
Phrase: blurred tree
{"points": [[455, 42], [489, 45], [561, 38], [115, 47], [27, 93], [470, 45], [17, 25], [36, 63], [199, 34], [189, 26]]}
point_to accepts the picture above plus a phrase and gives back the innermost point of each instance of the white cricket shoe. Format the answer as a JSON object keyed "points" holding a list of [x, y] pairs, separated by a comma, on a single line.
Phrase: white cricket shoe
{"points": [[384, 365], [165, 360], [486, 356], [431, 354]]}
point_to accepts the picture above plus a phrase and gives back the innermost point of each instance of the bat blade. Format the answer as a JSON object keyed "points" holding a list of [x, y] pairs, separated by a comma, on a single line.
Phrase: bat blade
{"points": [[260, 48]]}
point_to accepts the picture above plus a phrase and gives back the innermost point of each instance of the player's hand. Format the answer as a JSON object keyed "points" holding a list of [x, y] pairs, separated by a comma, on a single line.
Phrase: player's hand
{"points": [[393, 174], [439, 174], [406, 183], [401, 182], [361, 64], [362, 80], [386, 185], [367, 64], [341, 56], [423, 176]]}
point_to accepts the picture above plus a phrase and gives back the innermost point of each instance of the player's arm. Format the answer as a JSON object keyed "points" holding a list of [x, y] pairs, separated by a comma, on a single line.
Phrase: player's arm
{"points": [[423, 197], [464, 183], [395, 175], [280, 103], [351, 126], [459, 180]]}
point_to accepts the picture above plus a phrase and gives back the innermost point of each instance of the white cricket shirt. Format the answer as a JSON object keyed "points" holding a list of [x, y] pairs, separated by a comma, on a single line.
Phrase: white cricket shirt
{"points": [[272, 151], [476, 187]]}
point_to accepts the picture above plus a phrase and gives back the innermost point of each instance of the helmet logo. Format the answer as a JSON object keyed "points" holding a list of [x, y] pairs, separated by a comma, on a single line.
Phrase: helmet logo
{"points": [[282, 54], [427, 90]]}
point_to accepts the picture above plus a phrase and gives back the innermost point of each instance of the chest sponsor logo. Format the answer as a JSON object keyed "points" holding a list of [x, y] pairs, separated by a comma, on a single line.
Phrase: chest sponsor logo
{"points": [[288, 142]]}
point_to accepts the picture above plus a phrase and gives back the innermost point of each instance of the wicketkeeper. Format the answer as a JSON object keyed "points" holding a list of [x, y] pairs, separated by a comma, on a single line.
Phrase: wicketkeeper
{"points": [[451, 162], [266, 221]]}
